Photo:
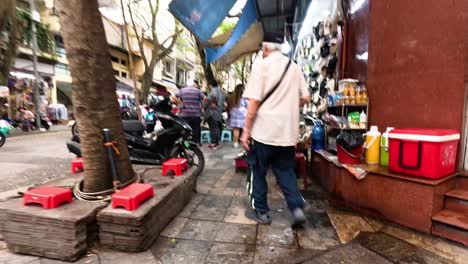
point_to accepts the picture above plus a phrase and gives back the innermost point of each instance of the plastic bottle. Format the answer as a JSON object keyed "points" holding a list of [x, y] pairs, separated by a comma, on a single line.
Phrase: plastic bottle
{"points": [[384, 147], [318, 136], [372, 145], [362, 120]]}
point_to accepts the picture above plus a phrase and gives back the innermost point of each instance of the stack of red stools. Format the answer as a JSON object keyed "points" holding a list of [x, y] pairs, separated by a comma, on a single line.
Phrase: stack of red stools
{"points": [[176, 165], [47, 196], [132, 196]]}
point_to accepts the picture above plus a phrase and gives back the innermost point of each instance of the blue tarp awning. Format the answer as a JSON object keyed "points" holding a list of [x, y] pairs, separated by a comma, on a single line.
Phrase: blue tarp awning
{"points": [[201, 17], [247, 19]]}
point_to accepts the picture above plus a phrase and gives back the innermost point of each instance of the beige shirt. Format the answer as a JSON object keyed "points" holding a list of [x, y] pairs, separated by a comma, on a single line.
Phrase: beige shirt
{"points": [[277, 120]]}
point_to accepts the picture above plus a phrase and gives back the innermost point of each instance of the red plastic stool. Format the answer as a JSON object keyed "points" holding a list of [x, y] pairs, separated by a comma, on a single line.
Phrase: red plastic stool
{"points": [[132, 196], [175, 165], [241, 165], [49, 197], [301, 166], [77, 165]]}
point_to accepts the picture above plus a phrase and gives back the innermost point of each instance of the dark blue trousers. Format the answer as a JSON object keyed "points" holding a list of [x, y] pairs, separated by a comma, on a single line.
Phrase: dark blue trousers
{"points": [[282, 162]]}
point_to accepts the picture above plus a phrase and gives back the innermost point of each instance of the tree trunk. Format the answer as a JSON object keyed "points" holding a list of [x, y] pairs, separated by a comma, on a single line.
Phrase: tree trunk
{"points": [[209, 75], [243, 71], [94, 91], [146, 83], [8, 45]]}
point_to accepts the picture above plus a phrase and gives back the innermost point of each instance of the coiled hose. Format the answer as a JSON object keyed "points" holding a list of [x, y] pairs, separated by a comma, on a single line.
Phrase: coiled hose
{"points": [[103, 196]]}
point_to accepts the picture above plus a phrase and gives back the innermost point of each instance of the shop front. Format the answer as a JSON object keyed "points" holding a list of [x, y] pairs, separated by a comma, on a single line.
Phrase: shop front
{"points": [[372, 68], [376, 67]]}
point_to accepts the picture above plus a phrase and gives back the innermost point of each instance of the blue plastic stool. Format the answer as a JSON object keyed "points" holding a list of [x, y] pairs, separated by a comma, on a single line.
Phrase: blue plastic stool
{"points": [[226, 136], [205, 136]]}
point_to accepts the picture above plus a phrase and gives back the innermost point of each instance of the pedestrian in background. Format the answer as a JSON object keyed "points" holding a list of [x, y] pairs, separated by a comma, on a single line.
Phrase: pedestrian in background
{"points": [[214, 108], [237, 109], [275, 90], [190, 99]]}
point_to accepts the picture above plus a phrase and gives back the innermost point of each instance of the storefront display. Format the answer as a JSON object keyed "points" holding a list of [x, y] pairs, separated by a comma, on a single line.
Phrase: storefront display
{"points": [[22, 92]]}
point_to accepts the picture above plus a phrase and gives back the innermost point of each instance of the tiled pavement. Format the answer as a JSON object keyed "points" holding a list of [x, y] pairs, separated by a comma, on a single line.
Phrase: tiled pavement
{"points": [[213, 229]]}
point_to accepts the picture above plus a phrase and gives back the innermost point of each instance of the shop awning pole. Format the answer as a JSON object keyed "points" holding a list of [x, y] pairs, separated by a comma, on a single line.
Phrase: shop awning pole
{"points": [[130, 59], [36, 74]]}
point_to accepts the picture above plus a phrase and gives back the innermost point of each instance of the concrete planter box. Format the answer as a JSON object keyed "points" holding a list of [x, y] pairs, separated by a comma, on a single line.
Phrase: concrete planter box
{"points": [[135, 231], [63, 233]]}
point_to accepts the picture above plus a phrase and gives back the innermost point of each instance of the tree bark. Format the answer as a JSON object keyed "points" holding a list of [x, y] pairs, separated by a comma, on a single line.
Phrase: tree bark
{"points": [[8, 45], [243, 71], [146, 83], [208, 71], [94, 91], [158, 51]]}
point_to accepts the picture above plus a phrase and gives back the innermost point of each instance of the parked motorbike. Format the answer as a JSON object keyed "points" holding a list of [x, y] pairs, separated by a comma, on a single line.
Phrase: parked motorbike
{"points": [[5, 128], [2, 139], [173, 141]]}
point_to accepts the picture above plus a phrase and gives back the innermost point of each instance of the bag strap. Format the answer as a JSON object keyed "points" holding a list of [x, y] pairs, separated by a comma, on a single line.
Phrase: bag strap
{"points": [[276, 86]]}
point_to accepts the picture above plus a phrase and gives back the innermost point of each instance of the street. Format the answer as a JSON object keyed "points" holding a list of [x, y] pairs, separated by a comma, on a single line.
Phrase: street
{"points": [[32, 159]]}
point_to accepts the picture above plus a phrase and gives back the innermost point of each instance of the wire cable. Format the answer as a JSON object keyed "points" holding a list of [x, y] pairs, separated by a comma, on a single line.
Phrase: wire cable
{"points": [[99, 196]]}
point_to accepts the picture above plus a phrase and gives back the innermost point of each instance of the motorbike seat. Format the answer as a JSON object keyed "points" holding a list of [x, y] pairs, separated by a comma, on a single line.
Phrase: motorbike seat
{"points": [[133, 126]]}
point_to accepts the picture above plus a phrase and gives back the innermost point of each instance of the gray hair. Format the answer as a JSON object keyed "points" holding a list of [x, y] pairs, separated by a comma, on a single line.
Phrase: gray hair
{"points": [[271, 46]]}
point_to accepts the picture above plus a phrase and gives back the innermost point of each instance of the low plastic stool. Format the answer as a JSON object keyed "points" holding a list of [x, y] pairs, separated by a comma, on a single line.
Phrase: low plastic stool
{"points": [[301, 166], [47, 196], [132, 196], [205, 136], [226, 136], [175, 165], [241, 165], [77, 165]]}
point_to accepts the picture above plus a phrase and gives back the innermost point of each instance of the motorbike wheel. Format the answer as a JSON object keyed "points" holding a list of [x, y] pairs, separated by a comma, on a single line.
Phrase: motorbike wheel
{"points": [[2, 139], [195, 158], [75, 132]]}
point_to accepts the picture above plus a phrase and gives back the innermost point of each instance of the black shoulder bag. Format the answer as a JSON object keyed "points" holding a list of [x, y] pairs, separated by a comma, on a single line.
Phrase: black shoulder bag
{"points": [[276, 86]]}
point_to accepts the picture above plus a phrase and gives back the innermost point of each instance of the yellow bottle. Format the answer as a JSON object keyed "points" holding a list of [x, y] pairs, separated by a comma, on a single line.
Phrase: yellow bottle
{"points": [[372, 145]]}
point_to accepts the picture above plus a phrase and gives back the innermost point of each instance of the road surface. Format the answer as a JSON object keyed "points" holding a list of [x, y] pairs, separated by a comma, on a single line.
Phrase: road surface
{"points": [[33, 159]]}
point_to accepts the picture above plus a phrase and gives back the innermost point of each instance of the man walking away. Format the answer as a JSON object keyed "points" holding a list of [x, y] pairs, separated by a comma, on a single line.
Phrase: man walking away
{"points": [[191, 99], [214, 108], [275, 90]]}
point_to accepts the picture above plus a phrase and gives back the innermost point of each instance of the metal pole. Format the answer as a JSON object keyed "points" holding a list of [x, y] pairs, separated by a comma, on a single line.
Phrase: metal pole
{"points": [[35, 19], [111, 156]]}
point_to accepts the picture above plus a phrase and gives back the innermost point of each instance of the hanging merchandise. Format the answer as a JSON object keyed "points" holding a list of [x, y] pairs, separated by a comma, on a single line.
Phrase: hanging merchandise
{"points": [[331, 67], [372, 145], [325, 49]]}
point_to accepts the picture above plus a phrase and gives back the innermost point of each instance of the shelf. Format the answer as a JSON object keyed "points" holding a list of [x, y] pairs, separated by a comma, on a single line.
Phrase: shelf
{"points": [[347, 128], [347, 105]]}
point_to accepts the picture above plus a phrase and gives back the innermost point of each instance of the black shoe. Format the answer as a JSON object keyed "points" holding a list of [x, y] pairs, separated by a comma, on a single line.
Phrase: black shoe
{"points": [[263, 219]]}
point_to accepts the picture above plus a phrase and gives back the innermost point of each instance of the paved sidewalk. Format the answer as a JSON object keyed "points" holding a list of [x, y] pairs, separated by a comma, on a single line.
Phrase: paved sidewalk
{"points": [[213, 229]]}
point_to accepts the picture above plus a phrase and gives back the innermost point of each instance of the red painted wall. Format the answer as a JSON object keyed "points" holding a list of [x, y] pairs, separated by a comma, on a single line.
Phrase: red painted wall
{"points": [[418, 51], [357, 40]]}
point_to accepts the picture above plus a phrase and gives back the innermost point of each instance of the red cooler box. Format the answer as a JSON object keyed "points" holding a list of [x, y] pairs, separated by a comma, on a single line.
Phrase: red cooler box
{"points": [[428, 153]]}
